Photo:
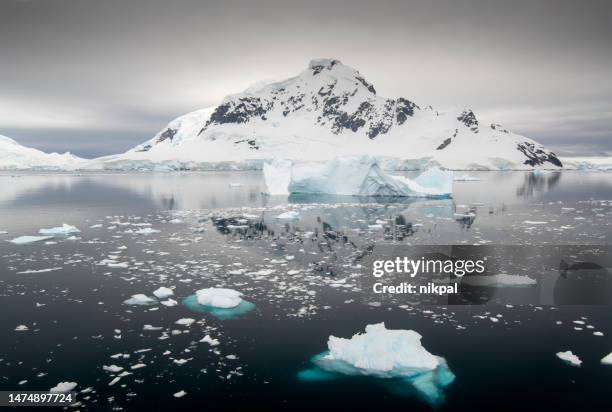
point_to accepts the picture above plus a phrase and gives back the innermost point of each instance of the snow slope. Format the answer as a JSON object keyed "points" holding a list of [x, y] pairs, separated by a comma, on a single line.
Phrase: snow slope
{"points": [[14, 156], [329, 110]]}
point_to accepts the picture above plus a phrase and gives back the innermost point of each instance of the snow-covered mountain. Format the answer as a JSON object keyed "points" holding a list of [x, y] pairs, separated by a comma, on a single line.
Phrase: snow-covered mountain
{"points": [[330, 110], [14, 156]]}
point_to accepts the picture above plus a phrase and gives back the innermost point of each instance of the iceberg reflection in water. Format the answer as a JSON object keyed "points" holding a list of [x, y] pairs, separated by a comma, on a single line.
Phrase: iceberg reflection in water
{"points": [[427, 385]]}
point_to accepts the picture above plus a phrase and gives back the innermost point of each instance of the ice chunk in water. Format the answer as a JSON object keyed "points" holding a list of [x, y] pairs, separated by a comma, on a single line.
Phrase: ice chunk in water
{"points": [[385, 353], [352, 176], [569, 357], [163, 292], [140, 299], [63, 230], [290, 215], [277, 176], [607, 360], [24, 240], [219, 297], [63, 387]]}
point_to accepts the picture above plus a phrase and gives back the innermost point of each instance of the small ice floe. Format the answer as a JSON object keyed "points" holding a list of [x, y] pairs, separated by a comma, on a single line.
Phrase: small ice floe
{"points": [[24, 240], [138, 366], [140, 299], [569, 358], [290, 215], [146, 231], [63, 387], [151, 327], [112, 368], [236, 185], [209, 340], [163, 292], [169, 302], [22, 328], [220, 302], [63, 230], [180, 394], [534, 222], [384, 353], [500, 280], [219, 297], [607, 360], [96, 226], [3, 232], [30, 271], [185, 321], [598, 333]]}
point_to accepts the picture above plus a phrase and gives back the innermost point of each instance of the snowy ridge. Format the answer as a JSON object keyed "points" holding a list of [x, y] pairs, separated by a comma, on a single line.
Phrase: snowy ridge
{"points": [[14, 156], [327, 111]]}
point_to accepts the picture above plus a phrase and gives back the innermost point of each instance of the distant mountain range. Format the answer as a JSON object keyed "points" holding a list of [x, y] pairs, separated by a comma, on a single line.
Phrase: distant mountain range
{"points": [[329, 110], [14, 156]]}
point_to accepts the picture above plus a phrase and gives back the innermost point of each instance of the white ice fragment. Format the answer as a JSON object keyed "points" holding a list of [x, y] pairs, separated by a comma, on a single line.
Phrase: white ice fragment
{"points": [[163, 292], [63, 387], [185, 321], [22, 328], [146, 231], [209, 340], [38, 271], [277, 176], [569, 357], [24, 240], [383, 351], [140, 299], [290, 215], [63, 230], [607, 360], [219, 297], [169, 302], [112, 368], [180, 394]]}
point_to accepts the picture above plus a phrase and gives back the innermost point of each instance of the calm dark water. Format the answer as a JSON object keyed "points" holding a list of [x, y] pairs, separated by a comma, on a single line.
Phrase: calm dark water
{"points": [[303, 282]]}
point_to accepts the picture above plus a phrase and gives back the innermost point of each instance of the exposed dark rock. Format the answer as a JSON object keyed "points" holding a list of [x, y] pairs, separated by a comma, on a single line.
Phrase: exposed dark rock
{"points": [[404, 109], [367, 85], [444, 144], [537, 156], [468, 118]]}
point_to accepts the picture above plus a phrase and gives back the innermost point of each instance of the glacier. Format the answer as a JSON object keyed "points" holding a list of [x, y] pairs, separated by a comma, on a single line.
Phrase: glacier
{"points": [[388, 354], [353, 176]]}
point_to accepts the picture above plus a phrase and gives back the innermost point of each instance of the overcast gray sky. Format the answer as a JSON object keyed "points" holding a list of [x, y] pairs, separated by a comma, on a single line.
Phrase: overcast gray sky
{"points": [[98, 77]]}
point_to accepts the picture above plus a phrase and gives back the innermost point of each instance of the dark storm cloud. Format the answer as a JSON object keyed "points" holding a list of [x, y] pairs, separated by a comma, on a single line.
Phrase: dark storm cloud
{"points": [[97, 77]]}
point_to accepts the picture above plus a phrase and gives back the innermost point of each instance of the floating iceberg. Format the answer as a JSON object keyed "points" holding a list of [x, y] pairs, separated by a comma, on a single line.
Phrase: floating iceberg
{"points": [[569, 357], [290, 215], [24, 240], [501, 280], [607, 360], [277, 176], [63, 387], [146, 231], [163, 292], [219, 297], [384, 353], [63, 230], [352, 176], [221, 303], [140, 299]]}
